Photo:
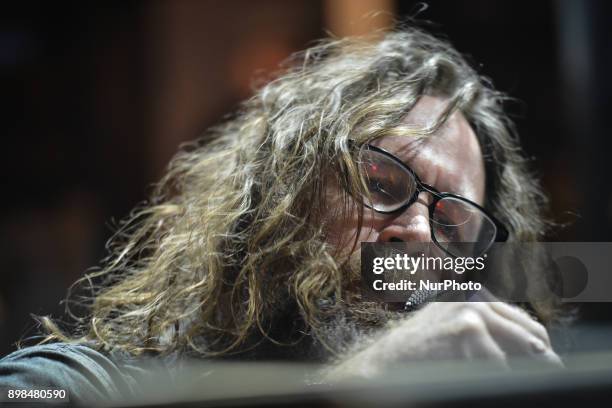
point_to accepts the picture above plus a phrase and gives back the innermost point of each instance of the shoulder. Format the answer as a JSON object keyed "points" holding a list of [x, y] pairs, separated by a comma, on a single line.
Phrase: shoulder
{"points": [[80, 370]]}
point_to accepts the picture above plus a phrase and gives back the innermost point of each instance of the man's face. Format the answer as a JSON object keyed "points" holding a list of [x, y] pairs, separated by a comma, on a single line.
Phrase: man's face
{"points": [[450, 160]]}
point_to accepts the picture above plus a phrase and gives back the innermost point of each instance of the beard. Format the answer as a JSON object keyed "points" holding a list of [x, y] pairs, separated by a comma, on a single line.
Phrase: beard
{"points": [[351, 324], [351, 320], [343, 323]]}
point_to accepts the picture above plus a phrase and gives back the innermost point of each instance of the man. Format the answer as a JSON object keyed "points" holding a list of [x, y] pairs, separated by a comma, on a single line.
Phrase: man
{"points": [[248, 249]]}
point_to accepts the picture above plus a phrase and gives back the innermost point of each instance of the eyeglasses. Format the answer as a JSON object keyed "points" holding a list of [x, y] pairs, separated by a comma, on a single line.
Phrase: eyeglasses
{"points": [[458, 226]]}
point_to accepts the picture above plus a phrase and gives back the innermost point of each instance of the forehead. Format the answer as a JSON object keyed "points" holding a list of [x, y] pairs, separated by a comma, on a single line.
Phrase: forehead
{"points": [[450, 159]]}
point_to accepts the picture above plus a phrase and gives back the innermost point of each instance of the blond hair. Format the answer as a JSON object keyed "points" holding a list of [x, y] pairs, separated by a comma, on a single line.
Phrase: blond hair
{"points": [[234, 233]]}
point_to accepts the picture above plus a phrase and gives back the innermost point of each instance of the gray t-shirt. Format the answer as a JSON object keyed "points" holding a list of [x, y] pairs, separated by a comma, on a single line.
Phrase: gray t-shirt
{"points": [[85, 374]]}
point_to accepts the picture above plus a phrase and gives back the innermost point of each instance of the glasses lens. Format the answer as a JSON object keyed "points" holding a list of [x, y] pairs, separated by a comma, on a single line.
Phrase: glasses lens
{"points": [[390, 185], [461, 228]]}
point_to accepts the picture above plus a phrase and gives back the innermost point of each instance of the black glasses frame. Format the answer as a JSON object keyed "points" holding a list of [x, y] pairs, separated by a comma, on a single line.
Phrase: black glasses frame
{"points": [[501, 233]]}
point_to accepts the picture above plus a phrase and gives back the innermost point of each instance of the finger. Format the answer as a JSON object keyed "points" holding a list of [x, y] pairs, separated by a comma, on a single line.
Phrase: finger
{"points": [[517, 315], [484, 347], [553, 358], [522, 318], [515, 340]]}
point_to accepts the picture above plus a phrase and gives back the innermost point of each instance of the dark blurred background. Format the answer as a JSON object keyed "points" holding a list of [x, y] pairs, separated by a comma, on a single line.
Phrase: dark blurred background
{"points": [[96, 97]]}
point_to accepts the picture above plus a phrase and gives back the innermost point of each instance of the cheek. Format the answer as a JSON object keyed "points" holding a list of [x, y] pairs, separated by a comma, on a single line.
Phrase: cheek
{"points": [[482, 182], [342, 232], [472, 183]]}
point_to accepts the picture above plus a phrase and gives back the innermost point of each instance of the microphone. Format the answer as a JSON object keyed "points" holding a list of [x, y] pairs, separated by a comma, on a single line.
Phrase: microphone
{"points": [[420, 297]]}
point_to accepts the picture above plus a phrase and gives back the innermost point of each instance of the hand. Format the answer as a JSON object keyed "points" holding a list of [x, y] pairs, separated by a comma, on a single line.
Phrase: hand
{"points": [[454, 331]]}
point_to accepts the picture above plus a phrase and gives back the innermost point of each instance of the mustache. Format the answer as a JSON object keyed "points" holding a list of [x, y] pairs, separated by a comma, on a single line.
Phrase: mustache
{"points": [[351, 309], [416, 300], [350, 319]]}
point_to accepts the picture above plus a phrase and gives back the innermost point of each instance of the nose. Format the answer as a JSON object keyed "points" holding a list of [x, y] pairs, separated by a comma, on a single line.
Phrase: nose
{"points": [[411, 225]]}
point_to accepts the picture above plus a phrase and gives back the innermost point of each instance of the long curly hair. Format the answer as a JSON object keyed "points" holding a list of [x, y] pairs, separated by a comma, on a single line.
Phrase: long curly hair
{"points": [[234, 235]]}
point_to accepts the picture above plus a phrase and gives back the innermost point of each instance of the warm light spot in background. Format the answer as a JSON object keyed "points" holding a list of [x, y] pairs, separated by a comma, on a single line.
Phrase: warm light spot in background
{"points": [[358, 17]]}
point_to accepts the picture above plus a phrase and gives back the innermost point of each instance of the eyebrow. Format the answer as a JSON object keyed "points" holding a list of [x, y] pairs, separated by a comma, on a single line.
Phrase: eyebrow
{"points": [[459, 191]]}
